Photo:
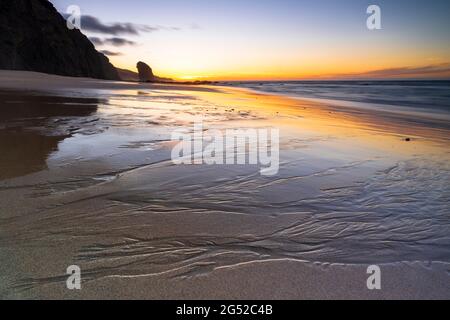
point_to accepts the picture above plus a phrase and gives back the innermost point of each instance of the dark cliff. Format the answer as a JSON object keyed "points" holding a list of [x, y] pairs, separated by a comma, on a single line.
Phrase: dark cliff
{"points": [[35, 37]]}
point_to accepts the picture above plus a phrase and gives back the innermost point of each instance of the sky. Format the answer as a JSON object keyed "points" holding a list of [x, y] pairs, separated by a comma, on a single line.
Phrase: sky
{"points": [[271, 39]]}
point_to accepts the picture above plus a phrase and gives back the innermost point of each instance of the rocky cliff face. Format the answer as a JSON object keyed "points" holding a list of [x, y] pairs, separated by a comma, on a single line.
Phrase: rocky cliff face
{"points": [[34, 37]]}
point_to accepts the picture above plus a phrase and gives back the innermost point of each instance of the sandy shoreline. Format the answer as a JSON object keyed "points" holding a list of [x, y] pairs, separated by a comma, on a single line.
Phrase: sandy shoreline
{"points": [[34, 81], [95, 187]]}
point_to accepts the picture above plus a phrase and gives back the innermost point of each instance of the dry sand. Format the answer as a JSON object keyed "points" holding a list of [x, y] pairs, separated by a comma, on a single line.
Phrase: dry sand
{"points": [[87, 180], [34, 81]]}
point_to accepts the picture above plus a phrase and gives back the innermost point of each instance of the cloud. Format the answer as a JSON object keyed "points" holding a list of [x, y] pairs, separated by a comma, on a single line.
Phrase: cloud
{"points": [[409, 71], [93, 24], [428, 71], [90, 23], [110, 53], [119, 42], [96, 41], [145, 28], [115, 41]]}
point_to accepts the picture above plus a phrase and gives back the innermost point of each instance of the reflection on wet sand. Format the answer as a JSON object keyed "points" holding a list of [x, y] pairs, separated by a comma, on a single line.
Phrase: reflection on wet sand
{"points": [[32, 126], [24, 152]]}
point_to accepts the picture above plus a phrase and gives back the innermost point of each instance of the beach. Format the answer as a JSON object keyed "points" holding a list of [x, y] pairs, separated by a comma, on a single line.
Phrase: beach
{"points": [[87, 179]]}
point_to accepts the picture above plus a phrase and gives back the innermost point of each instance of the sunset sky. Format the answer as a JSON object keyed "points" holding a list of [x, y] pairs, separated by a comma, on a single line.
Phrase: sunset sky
{"points": [[271, 39]]}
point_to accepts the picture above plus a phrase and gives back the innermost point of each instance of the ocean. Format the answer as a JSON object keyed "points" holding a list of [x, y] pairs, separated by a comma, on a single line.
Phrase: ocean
{"points": [[429, 96]]}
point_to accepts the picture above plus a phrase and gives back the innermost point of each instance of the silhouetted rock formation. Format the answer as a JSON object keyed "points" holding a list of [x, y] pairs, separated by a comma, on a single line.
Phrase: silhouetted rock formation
{"points": [[145, 72], [35, 37]]}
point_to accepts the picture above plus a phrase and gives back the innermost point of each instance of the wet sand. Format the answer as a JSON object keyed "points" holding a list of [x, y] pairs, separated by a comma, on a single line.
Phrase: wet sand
{"points": [[86, 179]]}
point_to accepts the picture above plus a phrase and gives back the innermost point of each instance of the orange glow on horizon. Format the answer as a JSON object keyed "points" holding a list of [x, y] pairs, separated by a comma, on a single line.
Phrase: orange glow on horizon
{"points": [[338, 73], [344, 64]]}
